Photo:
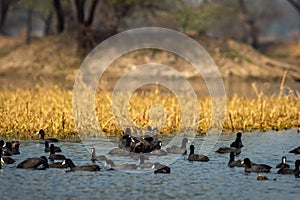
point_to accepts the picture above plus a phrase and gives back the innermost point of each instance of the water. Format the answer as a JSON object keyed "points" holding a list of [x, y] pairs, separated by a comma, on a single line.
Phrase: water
{"points": [[188, 180]]}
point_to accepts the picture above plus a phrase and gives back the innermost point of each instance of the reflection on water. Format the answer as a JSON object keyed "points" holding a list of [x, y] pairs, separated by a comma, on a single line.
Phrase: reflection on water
{"points": [[188, 180]]}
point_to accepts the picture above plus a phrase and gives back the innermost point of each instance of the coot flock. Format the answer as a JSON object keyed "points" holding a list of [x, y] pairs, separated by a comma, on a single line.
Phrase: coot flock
{"points": [[138, 148]]}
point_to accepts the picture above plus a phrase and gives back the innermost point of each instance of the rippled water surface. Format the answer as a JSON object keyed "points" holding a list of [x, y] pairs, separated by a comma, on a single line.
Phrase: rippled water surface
{"points": [[188, 180]]}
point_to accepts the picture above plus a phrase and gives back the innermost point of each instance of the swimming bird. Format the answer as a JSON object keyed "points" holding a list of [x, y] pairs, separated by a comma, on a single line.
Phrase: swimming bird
{"points": [[73, 167], [283, 163], [261, 177], [47, 148], [238, 141], [159, 151], [142, 164], [222, 150], [290, 171], [34, 163], [125, 140], [295, 151], [7, 149], [249, 167], [234, 146], [179, 149], [234, 163], [54, 156], [196, 157], [161, 169], [97, 158], [43, 139], [119, 167], [119, 152], [6, 160], [58, 165]]}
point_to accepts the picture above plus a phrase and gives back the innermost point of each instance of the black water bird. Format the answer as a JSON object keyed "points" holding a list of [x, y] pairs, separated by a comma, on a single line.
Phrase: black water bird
{"points": [[234, 163], [249, 167], [47, 148], [142, 164], [178, 149], [54, 156], [238, 141], [161, 169], [295, 151], [119, 152], [73, 167], [125, 140], [41, 132], [234, 146], [34, 163], [290, 171], [196, 157], [124, 166], [283, 163], [97, 158], [6, 160]]}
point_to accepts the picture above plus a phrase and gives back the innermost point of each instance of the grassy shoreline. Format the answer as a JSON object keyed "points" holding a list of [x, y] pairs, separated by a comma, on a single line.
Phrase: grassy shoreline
{"points": [[23, 112]]}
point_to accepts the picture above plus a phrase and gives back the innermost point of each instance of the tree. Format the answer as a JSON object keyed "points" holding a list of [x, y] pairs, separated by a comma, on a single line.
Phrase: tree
{"points": [[250, 20], [60, 19], [84, 32], [5, 4], [198, 17]]}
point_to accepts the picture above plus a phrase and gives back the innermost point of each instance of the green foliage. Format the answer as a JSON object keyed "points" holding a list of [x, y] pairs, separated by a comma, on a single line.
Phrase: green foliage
{"points": [[199, 17]]}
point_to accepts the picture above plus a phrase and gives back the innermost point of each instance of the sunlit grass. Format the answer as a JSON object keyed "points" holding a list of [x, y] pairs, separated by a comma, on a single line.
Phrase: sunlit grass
{"points": [[23, 112]]}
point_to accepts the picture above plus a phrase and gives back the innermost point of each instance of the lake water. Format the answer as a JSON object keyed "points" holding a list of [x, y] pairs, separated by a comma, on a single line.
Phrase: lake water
{"points": [[188, 180]]}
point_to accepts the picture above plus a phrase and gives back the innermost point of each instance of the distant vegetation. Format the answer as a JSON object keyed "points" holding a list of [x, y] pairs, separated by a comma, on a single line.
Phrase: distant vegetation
{"points": [[23, 112]]}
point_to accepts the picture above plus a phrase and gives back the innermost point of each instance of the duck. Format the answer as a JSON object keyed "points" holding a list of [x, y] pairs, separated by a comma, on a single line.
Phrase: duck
{"points": [[125, 140], [144, 165], [6, 160], [238, 141], [234, 146], [73, 167], [290, 171], [119, 152], [42, 139], [159, 151], [261, 177], [95, 157], [295, 151], [161, 169], [58, 165], [234, 163], [152, 139], [283, 163], [178, 149], [54, 156], [47, 148], [249, 167], [7, 149], [113, 166], [196, 157], [222, 150], [34, 163]]}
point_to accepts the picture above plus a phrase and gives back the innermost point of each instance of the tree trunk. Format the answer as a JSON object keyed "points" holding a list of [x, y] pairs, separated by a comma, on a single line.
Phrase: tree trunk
{"points": [[60, 19], [85, 36], [250, 22], [48, 21], [4, 10], [28, 26]]}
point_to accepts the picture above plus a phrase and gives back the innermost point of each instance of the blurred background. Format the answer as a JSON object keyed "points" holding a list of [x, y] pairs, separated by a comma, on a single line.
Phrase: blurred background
{"points": [[253, 42]]}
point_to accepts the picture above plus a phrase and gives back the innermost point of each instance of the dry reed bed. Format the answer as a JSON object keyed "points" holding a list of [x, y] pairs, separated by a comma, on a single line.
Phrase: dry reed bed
{"points": [[23, 112]]}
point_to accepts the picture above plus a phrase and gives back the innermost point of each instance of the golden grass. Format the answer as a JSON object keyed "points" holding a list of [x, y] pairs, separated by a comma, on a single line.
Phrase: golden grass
{"points": [[23, 112]]}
